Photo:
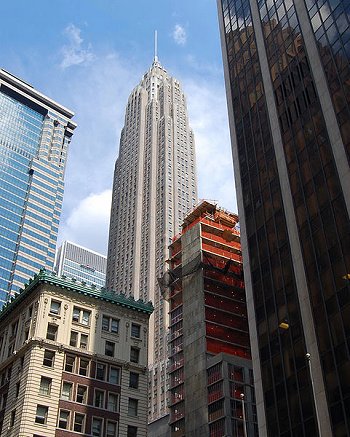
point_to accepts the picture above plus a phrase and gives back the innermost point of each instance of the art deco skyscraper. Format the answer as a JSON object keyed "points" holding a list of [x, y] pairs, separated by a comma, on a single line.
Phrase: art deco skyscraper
{"points": [[287, 71], [35, 133], [154, 188]]}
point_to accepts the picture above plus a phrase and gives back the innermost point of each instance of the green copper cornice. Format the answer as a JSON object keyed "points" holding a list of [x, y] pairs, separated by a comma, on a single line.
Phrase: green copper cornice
{"points": [[71, 284]]}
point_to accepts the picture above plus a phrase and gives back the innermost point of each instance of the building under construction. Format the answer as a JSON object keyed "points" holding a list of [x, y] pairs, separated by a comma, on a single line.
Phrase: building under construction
{"points": [[210, 372]]}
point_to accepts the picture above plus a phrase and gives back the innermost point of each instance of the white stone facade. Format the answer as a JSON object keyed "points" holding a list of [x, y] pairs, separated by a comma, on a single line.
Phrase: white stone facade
{"points": [[154, 188]]}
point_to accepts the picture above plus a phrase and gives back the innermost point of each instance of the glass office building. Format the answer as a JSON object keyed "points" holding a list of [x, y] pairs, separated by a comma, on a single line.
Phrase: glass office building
{"points": [[35, 133], [81, 263], [288, 87]]}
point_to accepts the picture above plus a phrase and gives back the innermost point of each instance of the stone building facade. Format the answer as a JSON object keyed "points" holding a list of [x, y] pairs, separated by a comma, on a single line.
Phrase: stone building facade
{"points": [[73, 361]]}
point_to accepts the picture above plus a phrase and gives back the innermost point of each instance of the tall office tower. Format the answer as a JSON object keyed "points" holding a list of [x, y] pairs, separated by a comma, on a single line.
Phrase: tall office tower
{"points": [[288, 80], [80, 263], [154, 187], [35, 133], [211, 389]]}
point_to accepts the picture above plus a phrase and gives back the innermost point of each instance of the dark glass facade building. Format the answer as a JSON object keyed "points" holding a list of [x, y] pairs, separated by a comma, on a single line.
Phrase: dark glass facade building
{"points": [[288, 87]]}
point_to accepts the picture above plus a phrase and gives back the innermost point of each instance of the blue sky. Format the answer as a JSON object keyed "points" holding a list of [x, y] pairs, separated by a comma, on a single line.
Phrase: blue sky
{"points": [[88, 55]]}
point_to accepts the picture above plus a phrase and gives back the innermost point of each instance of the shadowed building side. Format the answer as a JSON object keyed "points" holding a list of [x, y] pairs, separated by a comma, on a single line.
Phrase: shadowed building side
{"points": [[287, 79]]}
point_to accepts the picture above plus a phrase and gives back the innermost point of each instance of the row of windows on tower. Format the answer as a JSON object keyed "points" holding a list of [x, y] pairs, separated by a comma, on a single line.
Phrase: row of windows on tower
{"points": [[83, 316], [75, 421]]}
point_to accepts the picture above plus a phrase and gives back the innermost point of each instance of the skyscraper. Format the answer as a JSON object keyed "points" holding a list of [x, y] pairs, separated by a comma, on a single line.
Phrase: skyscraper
{"points": [[81, 263], [35, 133], [154, 187], [287, 78]]}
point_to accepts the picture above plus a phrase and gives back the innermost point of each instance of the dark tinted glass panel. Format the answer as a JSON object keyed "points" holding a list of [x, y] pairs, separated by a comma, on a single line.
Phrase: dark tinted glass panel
{"points": [[330, 20], [282, 351], [321, 214]]}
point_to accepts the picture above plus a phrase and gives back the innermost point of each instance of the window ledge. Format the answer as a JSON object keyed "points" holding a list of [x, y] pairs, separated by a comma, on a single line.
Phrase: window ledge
{"points": [[110, 334], [56, 316], [81, 324]]}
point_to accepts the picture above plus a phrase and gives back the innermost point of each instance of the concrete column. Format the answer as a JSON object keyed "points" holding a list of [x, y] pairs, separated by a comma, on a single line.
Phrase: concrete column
{"points": [[194, 346]]}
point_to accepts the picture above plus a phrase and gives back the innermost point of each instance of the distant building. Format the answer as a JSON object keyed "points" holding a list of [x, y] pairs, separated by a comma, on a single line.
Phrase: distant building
{"points": [[73, 362], [211, 379], [287, 73], [83, 264], [154, 187], [35, 133]]}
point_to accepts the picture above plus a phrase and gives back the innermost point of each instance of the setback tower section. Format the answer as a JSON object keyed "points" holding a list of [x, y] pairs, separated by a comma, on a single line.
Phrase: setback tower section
{"points": [[154, 187]]}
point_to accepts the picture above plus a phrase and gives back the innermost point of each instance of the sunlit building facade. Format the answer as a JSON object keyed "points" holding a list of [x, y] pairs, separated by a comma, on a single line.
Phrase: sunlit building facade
{"points": [[73, 361], [154, 188], [35, 133], [288, 79]]}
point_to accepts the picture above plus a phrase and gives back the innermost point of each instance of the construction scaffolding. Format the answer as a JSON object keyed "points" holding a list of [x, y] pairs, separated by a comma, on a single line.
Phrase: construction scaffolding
{"points": [[217, 262]]}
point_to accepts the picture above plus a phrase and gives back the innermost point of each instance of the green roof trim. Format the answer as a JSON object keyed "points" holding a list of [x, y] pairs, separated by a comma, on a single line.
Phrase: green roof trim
{"points": [[71, 284]]}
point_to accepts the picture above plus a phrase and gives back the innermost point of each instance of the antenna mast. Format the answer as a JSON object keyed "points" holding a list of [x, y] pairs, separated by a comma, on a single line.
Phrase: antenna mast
{"points": [[155, 46]]}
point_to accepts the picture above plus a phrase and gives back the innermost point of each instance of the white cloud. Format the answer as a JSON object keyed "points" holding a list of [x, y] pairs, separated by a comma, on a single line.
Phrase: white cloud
{"points": [[206, 103], [88, 222], [74, 53], [203, 68], [179, 35], [98, 96]]}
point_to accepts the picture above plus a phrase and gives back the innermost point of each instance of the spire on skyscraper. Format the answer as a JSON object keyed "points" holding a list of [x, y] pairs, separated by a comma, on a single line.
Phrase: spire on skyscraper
{"points": [[155, 47], [156, 62]]}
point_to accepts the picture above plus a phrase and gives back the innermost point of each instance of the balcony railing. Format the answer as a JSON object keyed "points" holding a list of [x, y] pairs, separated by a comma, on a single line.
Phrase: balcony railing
{"points": [[174, 399], [175, 382], [176, 416], [215, 395], [229, 244], [221, 252], [216, 415], [176, 365], [216, 225], [175, 334]]}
